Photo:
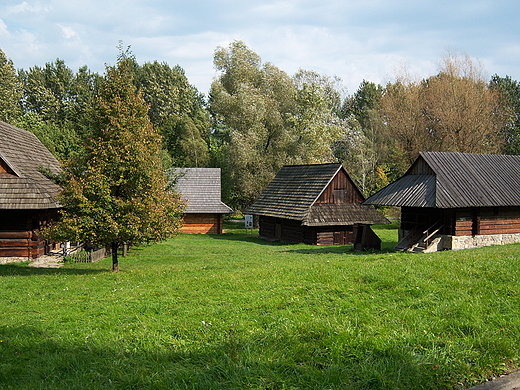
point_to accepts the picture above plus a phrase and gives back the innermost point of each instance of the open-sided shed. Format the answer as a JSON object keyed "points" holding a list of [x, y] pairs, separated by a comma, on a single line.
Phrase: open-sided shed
{"points": [[316, 204], [201, 189], [27, 197], [456, 200]]}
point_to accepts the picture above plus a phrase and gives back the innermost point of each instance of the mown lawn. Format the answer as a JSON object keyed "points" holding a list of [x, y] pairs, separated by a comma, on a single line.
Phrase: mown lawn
{"points": [[236, 312]]}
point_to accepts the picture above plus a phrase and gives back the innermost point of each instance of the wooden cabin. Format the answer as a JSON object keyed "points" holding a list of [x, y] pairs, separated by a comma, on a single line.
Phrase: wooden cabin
{"points": [[27, 198], [456, 201], [318, 205], [201, 189]]}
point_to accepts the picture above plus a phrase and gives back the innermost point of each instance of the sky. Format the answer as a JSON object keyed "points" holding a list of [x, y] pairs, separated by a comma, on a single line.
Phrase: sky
{"points": [[355, 40]]}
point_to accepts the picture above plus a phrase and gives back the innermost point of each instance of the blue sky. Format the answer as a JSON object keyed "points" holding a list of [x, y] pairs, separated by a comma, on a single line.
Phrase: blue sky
{"points": [[351, 39]]}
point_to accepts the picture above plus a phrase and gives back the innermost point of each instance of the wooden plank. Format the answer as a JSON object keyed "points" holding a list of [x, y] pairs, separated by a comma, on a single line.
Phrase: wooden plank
{"points": [[14, 242], [15, 234], [14, 252]]}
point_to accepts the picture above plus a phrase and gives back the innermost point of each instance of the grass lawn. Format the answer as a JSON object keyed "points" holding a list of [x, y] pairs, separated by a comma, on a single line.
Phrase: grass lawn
{"points": [[236, 312]]}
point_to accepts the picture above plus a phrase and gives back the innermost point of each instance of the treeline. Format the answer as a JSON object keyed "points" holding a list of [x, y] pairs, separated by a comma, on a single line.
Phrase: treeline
{"points": [[258, 118]]}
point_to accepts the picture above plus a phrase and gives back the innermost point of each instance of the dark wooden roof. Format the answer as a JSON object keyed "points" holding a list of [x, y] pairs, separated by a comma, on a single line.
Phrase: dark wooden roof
{"points": [[333, 214], [455, 180], [23, 186], [201, 188], [292, 194]]}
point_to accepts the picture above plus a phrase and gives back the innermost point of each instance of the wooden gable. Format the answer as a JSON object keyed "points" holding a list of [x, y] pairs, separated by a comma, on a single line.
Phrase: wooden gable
{"points": [[341, 189]]}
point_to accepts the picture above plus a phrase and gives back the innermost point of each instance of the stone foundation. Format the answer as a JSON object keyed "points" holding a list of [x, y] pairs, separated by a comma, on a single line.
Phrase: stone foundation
{"points": [[468, 242]]}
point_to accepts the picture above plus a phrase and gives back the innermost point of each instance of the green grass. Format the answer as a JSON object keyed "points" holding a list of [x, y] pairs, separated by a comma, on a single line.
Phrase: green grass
{"points": [[236, 312]]}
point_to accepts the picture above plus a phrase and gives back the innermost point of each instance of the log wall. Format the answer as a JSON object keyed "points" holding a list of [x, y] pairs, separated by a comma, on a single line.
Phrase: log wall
{"points": [[22, 244], [202, 223]]}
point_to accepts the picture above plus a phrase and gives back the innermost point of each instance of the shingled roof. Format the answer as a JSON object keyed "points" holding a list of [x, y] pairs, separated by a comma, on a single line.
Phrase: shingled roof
{"points": [[22, 186], [295, 189], [201, 188], [455, 180]]}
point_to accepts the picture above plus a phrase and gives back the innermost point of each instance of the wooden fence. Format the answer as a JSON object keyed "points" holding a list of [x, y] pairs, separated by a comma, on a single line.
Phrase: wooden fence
{"points": [[80, 255]]}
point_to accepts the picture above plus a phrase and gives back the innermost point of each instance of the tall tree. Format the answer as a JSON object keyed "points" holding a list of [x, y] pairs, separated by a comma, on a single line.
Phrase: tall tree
{"points": [[117, 194], [366, 148], [55, 104], [264, 119], [10, 90], [454, 110], [178, 110], [509, 90], [317, 124], [252, 105]]}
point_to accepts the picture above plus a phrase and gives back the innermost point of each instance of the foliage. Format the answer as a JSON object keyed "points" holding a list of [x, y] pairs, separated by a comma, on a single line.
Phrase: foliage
{"points": [[55, 105], [366, 148], [177, 110], [453, 111], [10, 90], [235, 312], [250, 104], [63, 142], [117, 193], [510, 93]]}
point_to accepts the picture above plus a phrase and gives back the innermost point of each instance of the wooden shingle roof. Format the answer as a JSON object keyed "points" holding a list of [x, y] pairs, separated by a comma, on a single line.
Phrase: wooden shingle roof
{"points": [[292, 194], [201, 188], [22, 186], [455, 180]]}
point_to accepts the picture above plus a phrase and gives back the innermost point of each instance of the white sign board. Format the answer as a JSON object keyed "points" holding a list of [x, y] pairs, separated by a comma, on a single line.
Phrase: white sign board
{"points": [[249, 221]]}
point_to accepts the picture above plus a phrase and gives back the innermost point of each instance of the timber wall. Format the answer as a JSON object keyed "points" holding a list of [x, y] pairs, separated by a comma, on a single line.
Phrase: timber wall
{"points": [[487, 221], [292, 231], [341, 190], [22, 244], [202, 223], [279, 229]]}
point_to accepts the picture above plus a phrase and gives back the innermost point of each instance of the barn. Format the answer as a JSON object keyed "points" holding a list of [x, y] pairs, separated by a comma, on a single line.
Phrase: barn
{"points": [[456, 201], [201, 189], [316, 204], [27, 197]]}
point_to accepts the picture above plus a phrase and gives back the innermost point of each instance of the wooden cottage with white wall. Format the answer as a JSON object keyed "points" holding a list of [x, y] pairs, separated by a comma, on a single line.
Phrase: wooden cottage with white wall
{"points": [[456, 201], [317, 204], [200, 188], [28, 199]]}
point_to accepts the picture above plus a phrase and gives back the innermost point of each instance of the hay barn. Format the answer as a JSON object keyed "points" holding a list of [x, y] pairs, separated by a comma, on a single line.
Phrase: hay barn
{"points": [[316, 204]]}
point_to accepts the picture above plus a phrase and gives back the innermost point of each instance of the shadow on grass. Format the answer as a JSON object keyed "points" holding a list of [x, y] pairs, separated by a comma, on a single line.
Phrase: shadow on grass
{"points": [[253, 238], [33, 358], [17, 269]]}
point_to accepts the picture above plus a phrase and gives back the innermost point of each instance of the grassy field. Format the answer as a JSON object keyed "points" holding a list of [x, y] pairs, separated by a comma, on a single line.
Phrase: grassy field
{"points": [[236, 312]]}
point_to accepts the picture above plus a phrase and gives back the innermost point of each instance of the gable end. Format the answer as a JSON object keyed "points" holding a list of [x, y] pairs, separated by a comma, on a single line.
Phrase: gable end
{"points": [[340, 189]]}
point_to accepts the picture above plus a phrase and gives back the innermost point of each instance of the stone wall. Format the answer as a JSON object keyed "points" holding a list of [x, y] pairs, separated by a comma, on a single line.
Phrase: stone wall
{"points": [[468, 242]]}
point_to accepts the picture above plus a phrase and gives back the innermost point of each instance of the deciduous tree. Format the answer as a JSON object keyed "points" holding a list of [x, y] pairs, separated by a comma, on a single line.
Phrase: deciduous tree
{"points": [[178, 111], [509, 90], [10, 90], [118, 193]]}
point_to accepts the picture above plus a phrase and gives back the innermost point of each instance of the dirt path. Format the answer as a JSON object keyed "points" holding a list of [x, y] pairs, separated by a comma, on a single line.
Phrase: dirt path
{"points": [[51, 260]]}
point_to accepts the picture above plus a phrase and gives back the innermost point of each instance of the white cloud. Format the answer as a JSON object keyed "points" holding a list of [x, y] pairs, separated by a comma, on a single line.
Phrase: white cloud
{"points": [[4, 32], [25, 8], [68, 32]]}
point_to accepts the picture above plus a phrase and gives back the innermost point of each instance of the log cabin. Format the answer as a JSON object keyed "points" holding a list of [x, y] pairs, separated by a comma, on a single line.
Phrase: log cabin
{"points": [[316, 204], [456, 201], [200, 188], [28, 199]]}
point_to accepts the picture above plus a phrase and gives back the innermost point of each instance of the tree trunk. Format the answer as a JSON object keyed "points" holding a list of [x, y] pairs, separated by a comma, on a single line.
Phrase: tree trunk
{"points": [[115, 263]]}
